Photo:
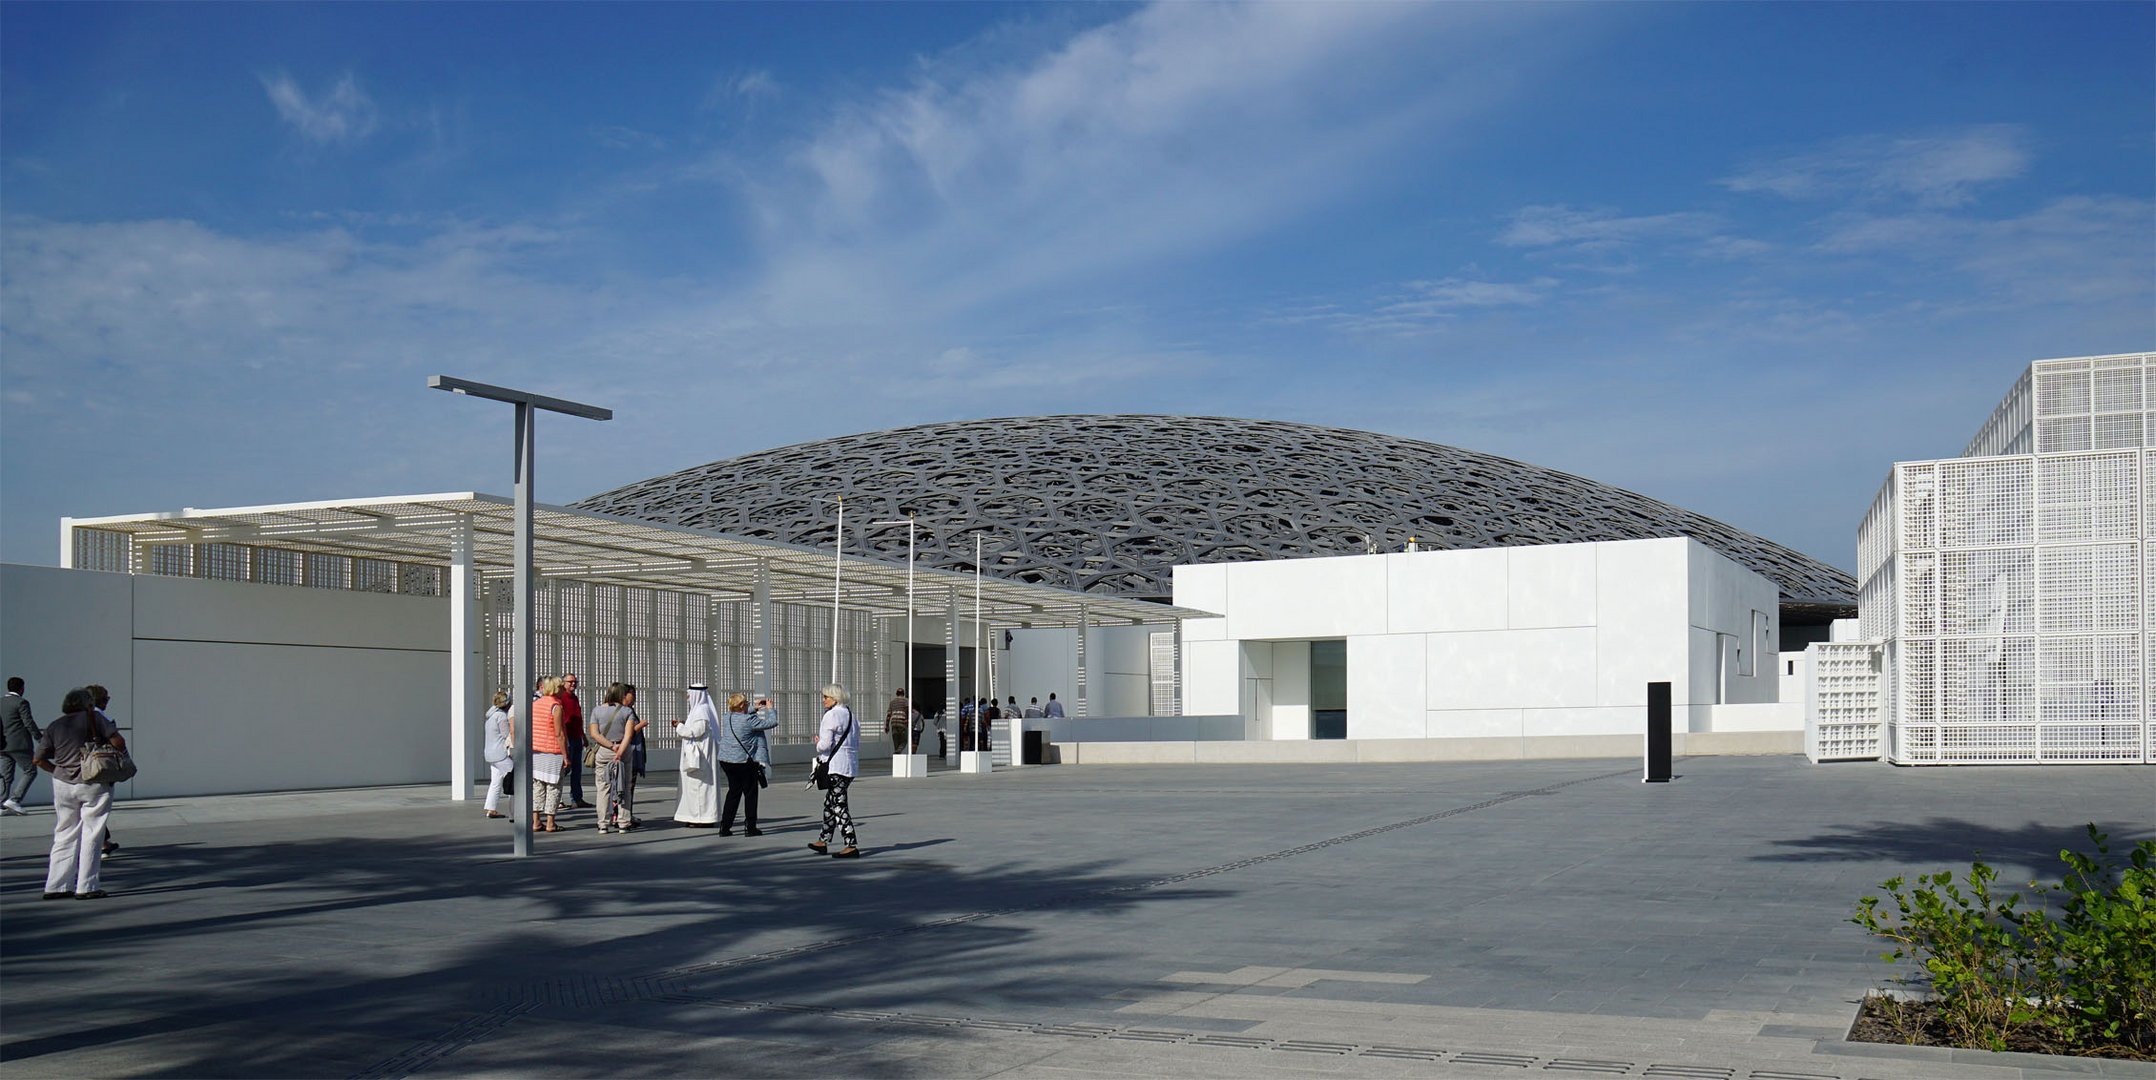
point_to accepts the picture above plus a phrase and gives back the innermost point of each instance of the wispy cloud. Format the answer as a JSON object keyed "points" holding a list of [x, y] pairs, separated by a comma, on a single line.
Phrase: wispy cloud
{"points": [[1149, 139], [2073, 250], [740, 87], [1938, 170], [344, 114], [1598, 230]]}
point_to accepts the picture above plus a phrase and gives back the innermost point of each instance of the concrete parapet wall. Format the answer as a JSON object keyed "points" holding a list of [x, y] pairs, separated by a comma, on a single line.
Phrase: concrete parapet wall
{"points": [[1335, 751]]}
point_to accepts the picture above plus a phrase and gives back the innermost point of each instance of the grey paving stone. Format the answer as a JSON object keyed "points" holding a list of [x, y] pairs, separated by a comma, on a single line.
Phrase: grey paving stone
{"points": [[374, 930]]}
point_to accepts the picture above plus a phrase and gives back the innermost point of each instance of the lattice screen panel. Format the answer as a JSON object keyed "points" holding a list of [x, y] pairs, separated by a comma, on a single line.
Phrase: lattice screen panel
{"points": [[1845, 716]]}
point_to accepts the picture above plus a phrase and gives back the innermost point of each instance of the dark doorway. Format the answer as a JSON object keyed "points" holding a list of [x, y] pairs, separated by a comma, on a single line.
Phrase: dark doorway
{"points": [[1328, 689]]}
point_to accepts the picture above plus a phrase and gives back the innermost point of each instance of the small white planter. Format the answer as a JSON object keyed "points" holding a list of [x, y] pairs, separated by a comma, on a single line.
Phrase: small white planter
{"points": [[909, 765]]}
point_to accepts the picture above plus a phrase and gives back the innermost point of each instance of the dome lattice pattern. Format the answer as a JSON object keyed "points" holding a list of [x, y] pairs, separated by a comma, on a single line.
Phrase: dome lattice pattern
{"points": [[1109, 503]]}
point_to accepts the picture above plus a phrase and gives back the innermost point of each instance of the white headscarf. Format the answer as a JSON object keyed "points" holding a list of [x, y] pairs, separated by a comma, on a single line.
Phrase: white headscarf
{"points": [[700, 702]]}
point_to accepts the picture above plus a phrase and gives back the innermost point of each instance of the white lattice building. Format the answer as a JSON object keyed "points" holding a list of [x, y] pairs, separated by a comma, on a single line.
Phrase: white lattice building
{"points": [[2010, 588]]}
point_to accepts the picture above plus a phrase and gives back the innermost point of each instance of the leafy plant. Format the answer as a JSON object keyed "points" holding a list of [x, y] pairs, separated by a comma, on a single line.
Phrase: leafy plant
{"points": [[2004, 975]]}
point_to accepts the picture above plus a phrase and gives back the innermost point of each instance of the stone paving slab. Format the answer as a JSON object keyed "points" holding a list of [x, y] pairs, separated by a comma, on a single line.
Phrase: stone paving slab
{"points": [[1471, 919]]}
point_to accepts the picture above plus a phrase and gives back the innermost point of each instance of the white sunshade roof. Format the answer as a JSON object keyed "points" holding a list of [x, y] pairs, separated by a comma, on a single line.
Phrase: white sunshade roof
{"points": [[603, 548]]}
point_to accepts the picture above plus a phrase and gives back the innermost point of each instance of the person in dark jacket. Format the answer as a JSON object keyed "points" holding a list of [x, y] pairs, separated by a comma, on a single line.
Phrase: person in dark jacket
{"points": [[20, 733]]}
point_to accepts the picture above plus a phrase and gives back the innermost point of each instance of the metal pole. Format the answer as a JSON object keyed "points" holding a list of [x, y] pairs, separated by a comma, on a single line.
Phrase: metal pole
{"points": [[525, 677], [911, 704], [977, 641], [838, 549]]}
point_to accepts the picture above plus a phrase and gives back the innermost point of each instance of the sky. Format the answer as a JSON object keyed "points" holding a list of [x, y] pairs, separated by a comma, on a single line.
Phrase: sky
{"points": [[1737, 257]]}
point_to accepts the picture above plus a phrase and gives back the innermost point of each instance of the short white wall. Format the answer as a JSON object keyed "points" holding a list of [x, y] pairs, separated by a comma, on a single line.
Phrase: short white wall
{"points": [[1529, 642], [1683, 744], [226, 687]]}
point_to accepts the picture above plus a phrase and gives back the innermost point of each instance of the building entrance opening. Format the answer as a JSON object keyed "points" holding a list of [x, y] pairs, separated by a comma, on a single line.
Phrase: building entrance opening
{"points": [[1328, 689]]}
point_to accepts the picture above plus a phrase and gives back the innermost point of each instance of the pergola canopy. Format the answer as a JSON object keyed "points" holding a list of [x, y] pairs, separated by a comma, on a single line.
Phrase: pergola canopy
{"points": [[596, 547]]}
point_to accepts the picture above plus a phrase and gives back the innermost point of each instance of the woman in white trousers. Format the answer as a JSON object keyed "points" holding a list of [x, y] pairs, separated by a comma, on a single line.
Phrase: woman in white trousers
{"points": [[501, 742], [79, 809]]}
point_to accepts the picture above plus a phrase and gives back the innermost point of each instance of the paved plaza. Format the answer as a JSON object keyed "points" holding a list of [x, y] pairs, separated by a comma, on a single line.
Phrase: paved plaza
{"points": [[1470, 920]]}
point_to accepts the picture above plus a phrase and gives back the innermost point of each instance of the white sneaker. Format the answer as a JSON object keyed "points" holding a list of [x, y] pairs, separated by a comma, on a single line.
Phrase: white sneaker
{"points": [[13, 808]]}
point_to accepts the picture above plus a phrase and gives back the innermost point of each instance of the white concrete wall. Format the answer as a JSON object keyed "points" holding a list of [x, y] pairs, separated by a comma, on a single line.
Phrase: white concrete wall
{"points": [[1507, 643], [227, 687]]}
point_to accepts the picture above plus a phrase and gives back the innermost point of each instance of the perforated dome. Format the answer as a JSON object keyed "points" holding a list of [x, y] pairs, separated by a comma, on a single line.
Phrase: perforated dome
{"points": [[1109, 503]]}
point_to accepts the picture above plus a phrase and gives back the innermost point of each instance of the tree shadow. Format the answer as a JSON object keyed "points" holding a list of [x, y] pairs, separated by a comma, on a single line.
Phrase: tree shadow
{"points": [[391, 941], [1941, 843]]}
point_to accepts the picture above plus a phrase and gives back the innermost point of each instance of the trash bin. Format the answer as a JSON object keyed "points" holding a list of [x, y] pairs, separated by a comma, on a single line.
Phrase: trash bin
{"points": [[1036, 748]]}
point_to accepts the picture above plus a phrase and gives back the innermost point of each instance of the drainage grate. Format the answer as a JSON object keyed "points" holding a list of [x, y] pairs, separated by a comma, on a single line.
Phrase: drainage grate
{"points": [[1518, 1061], [1690, 1072], [1588, 1065]]}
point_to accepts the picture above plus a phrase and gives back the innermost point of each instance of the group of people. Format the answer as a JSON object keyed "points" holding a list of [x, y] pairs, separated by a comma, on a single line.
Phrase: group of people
{"points": [[81, 836], [734, 744], [976, 722], [564, 740]]}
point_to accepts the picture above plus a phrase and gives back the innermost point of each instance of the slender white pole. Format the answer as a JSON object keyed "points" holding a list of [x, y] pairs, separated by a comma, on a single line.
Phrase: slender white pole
{"points": [[976, 638], [910, 748], [524, 675], [838, 558]]}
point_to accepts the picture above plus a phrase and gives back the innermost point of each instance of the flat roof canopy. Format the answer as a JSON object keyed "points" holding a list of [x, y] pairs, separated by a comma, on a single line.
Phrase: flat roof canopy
{"points": [[590, 546]]}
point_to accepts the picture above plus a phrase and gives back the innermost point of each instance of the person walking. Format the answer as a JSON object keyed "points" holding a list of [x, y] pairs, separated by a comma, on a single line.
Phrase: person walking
{"points": [[898, 722], [20, 733], [740, 737], [501, 742], [699, 805], [607, 731], [984, 736], [548, 743], [78, 809], [572, 723], [838, 746]]}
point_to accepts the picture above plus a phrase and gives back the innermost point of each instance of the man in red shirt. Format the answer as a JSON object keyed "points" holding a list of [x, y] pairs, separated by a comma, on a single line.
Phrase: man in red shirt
{"points": [[572, 718]]}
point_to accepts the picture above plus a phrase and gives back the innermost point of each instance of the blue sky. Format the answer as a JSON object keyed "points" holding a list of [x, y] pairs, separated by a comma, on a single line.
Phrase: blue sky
{"points": [[1739, 257]]}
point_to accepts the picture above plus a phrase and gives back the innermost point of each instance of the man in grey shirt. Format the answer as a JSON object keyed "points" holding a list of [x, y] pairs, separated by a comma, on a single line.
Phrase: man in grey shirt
{"points": [[21, 735]]}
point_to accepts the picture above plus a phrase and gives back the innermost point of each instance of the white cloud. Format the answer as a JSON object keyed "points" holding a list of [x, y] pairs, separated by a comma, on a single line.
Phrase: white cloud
{"points": [[1595, 231], [1942, 169], [1160, 136], [2073, 250], [344, 114]]}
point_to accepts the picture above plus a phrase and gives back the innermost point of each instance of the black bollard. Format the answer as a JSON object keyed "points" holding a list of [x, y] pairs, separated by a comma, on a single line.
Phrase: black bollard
{"points": [[1657, 734]]}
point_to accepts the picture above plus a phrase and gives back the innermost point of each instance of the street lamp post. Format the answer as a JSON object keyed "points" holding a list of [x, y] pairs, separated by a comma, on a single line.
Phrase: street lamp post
{"points": [[527, 405], [907, 521]]}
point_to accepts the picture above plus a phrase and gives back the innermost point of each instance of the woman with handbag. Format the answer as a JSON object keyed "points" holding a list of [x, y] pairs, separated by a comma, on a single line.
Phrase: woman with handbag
{"points": [[501, 741], [79, 802], [739, 739], [838, 757], [549, 743], [699, 805], [607, 730]]}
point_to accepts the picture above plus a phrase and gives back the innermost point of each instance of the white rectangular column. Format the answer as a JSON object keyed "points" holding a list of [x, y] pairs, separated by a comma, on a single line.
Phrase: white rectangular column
{"points": [[464, 661], [763, 628], [1085, 685]]}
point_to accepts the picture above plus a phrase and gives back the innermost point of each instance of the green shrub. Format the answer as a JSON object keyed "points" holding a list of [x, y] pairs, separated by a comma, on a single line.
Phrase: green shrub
{"points": [[2005, 976]]}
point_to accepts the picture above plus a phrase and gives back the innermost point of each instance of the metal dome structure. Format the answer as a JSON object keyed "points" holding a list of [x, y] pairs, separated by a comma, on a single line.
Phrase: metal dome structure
{"points": [[1109, 503]]}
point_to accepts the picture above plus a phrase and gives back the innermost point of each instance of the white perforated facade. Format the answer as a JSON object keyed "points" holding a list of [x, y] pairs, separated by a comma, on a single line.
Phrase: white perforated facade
{"points": [[2011, 586]]}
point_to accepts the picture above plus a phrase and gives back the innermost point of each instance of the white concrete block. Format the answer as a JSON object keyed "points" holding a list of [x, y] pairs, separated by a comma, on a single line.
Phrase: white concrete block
{"points": [[1472, 723], [1307, 598], [1604, 720], [1202, 587], [1212, 678], [1550, 586], [1640, 600], [976, 761], [1446, 590], [1385, 694], [1512, 669], [909, 766], [1291, 690]]}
